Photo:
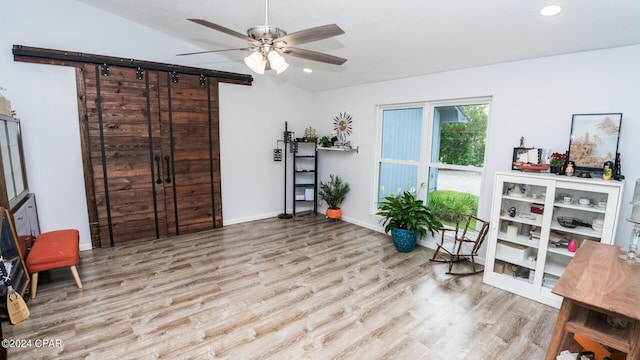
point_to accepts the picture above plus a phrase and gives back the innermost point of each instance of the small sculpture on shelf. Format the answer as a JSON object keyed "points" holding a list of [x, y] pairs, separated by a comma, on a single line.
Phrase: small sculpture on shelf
{"points": [[617, 171], [310, 134], [570, 168], [607, 170]]}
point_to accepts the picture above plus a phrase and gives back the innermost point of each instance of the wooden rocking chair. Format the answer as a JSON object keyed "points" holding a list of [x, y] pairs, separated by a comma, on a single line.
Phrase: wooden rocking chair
{"points": [[464, 245]]}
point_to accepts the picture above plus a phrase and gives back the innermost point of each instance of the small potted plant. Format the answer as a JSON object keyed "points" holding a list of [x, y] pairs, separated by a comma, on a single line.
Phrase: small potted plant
{"points": [[333, 192], [556, 161], [407, 218], [324, 141]]}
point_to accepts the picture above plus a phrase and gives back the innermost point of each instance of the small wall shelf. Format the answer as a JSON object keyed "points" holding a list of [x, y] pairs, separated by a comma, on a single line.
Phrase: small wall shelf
{"points": [[356, 149]]}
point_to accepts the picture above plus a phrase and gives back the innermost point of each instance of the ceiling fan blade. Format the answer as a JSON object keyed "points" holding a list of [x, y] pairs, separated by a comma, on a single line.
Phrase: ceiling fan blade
{"points": [[213, 51], [223, 29], [314, 55], [311, 34]]}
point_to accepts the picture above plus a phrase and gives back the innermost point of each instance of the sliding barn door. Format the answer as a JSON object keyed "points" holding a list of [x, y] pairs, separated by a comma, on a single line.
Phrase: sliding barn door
{"points": [[191, 152], [154, 152]]}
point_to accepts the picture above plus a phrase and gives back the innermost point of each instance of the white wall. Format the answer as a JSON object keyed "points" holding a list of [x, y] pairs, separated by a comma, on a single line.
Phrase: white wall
{"points": [[252, 119], [533, 98]]}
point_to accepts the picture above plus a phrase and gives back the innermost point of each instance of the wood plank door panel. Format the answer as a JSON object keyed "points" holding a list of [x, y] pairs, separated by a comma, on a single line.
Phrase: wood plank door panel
{"points": [[124, 133], [190, 132]]}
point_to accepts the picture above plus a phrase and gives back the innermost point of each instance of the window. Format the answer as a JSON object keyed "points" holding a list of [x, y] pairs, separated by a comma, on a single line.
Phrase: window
{"points": [[439, 144], [400, 149]]}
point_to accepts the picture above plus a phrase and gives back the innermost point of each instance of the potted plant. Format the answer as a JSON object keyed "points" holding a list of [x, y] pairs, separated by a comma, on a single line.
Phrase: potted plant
{"points": [[324, 141], [333, 192], [556, 161], [407, 218]]}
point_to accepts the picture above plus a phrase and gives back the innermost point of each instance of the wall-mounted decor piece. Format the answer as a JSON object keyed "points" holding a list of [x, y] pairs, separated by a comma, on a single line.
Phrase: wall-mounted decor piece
{"points": [[342, 125], [594, 140]]}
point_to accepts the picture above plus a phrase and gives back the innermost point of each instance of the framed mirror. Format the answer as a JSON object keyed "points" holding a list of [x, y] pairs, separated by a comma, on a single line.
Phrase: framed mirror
{"points": [[12, 161], [594, 140]]}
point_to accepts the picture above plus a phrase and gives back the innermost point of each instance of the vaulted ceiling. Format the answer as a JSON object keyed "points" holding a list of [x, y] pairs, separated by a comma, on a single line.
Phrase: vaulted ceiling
{"points": [[386, 40]]}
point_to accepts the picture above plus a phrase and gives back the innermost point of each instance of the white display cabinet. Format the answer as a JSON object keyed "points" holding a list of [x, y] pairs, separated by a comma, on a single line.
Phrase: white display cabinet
{"points": [[527, 247]]}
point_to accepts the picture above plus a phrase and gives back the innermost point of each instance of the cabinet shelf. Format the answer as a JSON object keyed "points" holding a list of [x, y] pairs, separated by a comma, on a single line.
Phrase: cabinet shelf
{"points": [[555, 269], [560, 251], [527, 264], [521, 220], [546, 193], [580, 230], [520, 240], [539, 201], [593, 325], [589, 208]]}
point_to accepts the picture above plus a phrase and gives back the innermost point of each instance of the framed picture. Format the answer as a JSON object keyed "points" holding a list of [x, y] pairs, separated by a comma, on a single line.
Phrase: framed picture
{"points": [[523, 155], [594, 140]]}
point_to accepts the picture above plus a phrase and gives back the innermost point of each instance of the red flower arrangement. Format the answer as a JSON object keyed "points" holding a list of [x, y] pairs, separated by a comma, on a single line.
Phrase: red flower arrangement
{"points": [[557, 159]]}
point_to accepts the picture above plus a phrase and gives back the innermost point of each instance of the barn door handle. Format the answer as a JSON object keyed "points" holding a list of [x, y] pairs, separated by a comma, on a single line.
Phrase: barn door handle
{"points": [[157, 159], [168, 179]]}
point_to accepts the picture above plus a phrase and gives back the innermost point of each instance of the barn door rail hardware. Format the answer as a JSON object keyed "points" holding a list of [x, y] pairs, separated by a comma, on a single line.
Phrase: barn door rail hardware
{"points": [[73, 58]]}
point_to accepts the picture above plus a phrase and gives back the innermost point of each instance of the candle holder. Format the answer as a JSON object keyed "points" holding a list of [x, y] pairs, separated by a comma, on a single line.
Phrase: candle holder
{"points": [[631, 255]]}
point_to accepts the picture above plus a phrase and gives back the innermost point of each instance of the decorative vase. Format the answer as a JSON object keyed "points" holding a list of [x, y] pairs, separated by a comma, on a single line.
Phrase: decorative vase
{"points": [[404, 240], [334, 213]]}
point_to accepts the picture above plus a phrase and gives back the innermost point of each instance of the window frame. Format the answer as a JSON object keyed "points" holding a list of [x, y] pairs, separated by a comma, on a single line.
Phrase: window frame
{"points": [[425, 162]]}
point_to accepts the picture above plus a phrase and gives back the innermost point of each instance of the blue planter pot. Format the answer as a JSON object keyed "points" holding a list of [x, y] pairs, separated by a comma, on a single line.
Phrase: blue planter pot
{"points": [[404, 240]]}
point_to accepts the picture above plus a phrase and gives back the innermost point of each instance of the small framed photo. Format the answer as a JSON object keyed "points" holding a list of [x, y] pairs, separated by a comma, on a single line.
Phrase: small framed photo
{"points": [[523, 155], [594, 140]]}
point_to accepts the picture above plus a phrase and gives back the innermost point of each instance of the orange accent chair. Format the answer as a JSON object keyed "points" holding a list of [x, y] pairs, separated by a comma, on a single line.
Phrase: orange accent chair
{"points": [[53, 250]]}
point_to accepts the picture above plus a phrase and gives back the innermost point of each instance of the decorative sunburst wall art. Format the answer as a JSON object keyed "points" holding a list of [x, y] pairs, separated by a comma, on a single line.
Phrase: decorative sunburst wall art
{"points": [[342, 124]]}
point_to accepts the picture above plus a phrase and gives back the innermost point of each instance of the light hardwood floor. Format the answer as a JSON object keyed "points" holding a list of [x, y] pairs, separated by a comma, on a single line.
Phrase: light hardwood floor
{"points": [[276, 289]]}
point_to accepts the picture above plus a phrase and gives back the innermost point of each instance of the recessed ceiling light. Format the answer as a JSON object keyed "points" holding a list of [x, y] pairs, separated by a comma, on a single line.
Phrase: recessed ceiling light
{"points": [[307, 70], [550, 10]]}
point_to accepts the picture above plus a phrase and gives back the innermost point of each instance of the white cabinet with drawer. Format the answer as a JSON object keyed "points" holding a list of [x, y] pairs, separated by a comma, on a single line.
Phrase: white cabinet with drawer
{"points": [[533, 217]]}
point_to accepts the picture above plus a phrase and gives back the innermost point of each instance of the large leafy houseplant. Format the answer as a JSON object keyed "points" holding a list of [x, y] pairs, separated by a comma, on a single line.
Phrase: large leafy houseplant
{"points": [[333, 192], [405, 211]]}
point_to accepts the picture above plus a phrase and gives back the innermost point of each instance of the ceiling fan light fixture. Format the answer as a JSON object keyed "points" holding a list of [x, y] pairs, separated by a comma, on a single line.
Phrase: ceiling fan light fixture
{"points": [[275, 59], [282, 68], [256, 62], [277, 62]]}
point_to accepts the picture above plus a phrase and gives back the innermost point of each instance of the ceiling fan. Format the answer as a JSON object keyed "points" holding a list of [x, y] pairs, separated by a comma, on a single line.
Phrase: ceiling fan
{"points": [[268, 44]]}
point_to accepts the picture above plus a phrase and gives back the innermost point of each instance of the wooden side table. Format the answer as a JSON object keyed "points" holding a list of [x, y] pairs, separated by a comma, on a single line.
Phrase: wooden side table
{"points": [[596, 284]]}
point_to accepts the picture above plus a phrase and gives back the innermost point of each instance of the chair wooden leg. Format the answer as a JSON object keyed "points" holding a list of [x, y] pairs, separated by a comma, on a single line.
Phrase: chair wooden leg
{"points": [[433, 258], [74, 271], [34, 285]]}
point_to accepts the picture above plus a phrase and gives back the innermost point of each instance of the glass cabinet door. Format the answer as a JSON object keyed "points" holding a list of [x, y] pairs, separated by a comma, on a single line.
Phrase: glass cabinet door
{"points": [[520, 220]]}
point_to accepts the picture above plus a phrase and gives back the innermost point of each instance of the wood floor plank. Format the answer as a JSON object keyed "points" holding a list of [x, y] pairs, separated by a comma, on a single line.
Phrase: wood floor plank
{"points": [[276, 289]]}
